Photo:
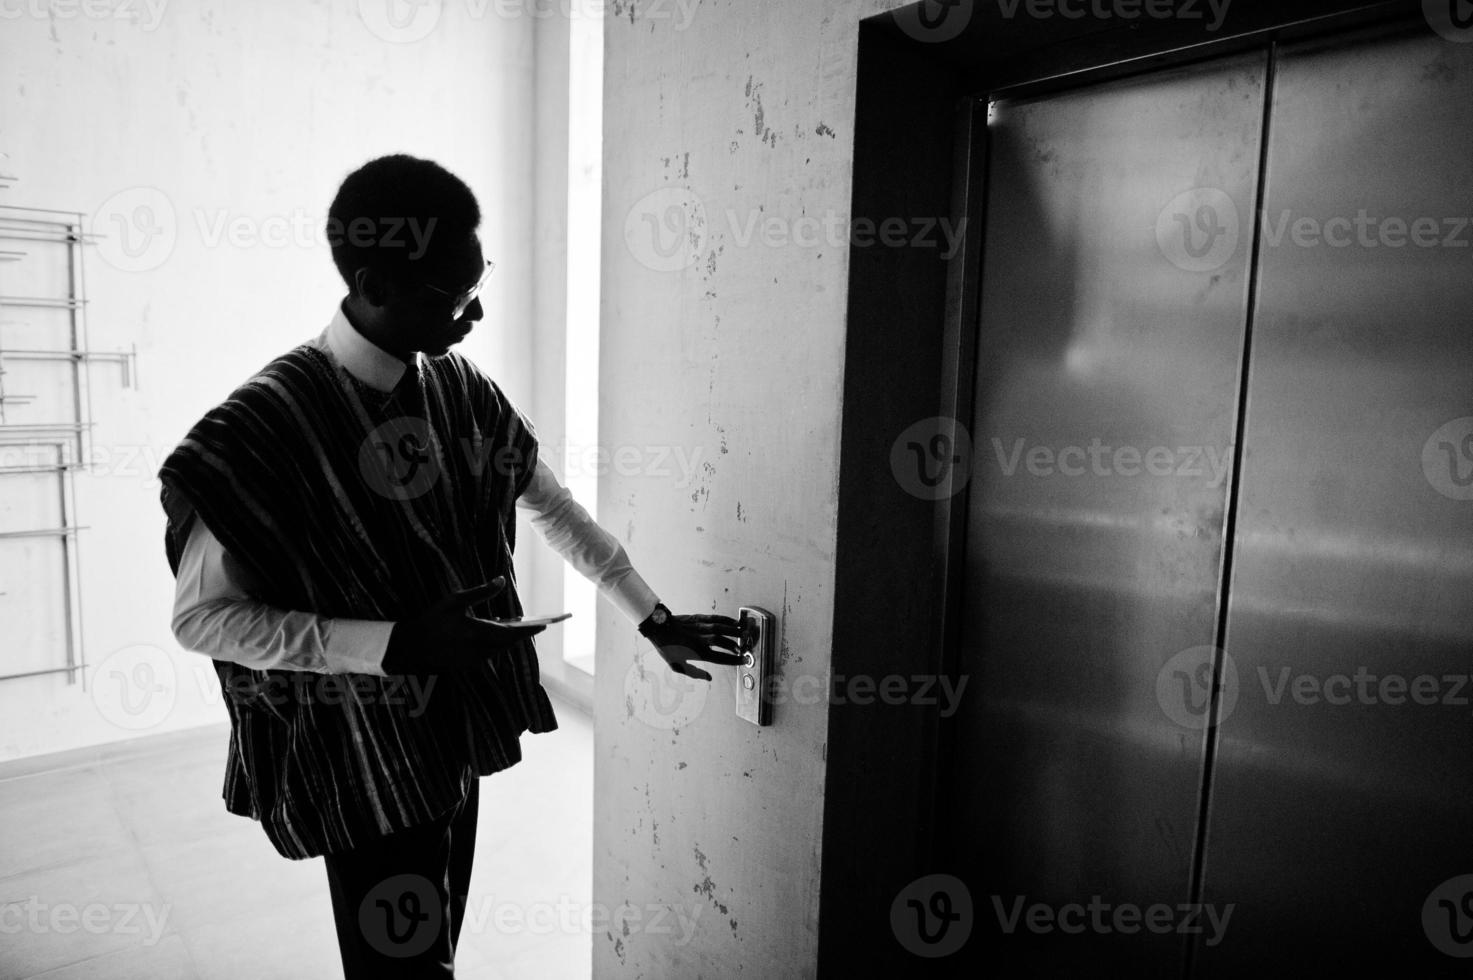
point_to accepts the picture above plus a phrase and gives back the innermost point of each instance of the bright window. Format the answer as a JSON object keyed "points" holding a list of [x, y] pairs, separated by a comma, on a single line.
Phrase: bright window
{"points": [[585, 148]]}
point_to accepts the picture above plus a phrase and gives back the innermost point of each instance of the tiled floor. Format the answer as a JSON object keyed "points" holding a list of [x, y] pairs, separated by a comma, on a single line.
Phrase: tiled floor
{"points": [[123, 863]]}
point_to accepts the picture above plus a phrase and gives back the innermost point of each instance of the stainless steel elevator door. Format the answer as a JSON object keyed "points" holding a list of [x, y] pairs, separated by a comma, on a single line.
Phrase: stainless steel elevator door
{"points": [[1333, 824], [1110, 346]]}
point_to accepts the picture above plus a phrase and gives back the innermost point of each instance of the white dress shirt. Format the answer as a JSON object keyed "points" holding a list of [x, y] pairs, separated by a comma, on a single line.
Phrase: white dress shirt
{"points": [[215, 612]]}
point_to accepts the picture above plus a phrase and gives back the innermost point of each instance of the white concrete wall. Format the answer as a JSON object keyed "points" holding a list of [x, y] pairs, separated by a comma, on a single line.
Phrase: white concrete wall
{"points": [[727, 350], [251, 113]]}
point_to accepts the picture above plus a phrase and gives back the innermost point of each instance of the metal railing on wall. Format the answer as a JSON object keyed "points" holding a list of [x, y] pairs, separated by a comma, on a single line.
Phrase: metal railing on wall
{"points": [[59, 446]]}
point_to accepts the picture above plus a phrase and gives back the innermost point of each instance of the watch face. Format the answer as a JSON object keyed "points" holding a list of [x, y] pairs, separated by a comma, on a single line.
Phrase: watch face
{"points": [[661, 615]]}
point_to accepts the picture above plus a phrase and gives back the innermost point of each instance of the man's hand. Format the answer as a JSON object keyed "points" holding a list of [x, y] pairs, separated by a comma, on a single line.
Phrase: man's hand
{"points": [[712, 639], [446, 636]]}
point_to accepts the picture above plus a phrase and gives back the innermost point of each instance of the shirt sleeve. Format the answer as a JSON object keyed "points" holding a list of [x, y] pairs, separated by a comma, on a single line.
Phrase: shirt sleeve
{"points": [[214, 614], [594, 552]]}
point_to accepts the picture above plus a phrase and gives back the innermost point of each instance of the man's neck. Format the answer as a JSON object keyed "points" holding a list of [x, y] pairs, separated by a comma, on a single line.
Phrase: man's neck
{"points": [[355, 309]]}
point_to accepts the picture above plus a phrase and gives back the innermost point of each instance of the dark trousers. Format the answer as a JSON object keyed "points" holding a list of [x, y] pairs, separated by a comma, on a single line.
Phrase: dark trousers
{"points": [[399, 901]]}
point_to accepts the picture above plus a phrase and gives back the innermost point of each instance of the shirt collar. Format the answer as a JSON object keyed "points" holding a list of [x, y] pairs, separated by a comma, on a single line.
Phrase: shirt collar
{"points": [[361, 357]]}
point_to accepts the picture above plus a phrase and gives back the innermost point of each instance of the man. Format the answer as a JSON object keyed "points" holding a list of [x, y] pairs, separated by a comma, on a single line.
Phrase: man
{"points": [[341, 529]]}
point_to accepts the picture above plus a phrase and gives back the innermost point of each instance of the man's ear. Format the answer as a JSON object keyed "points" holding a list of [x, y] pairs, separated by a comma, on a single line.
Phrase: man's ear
{"points": [[372, 286]]}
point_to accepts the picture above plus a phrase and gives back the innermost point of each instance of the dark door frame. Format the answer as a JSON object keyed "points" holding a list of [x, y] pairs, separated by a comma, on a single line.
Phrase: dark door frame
{"points": [[919, 156]]}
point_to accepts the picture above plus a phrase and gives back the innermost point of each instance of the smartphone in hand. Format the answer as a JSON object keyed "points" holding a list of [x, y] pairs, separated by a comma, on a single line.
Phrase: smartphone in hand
{"points": [[533, 620]]}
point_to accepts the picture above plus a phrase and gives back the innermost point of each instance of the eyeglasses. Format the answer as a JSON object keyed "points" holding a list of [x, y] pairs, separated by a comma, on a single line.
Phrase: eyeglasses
{"points": [[464, 299]]}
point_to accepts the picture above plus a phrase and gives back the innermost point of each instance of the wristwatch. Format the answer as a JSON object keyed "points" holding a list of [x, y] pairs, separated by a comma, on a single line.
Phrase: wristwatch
{"points": [[659, 617]]}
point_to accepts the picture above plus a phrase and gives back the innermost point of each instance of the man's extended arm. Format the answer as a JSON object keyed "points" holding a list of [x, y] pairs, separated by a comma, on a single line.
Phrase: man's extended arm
{"points": [[595, 553], [214, 612], [599, 556]]}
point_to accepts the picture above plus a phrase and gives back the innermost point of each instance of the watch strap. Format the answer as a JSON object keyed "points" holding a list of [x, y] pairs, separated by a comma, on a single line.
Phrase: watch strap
{"points": [[655, 620]]}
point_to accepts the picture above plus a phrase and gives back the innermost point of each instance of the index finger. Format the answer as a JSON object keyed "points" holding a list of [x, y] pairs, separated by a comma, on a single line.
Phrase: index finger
{"points": [[721, 624], [500, 632], [714, 656]]}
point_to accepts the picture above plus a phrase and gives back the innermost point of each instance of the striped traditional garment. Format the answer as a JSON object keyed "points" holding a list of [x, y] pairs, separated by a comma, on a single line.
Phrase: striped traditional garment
{"points": [[290, 475]]}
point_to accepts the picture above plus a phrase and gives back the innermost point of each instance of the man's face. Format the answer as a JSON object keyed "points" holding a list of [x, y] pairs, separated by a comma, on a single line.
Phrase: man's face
{"points": [[421, 309]]}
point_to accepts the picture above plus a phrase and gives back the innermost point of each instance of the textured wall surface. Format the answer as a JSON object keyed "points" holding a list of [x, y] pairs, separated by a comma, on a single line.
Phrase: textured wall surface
{"points": [[728, 158]]}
